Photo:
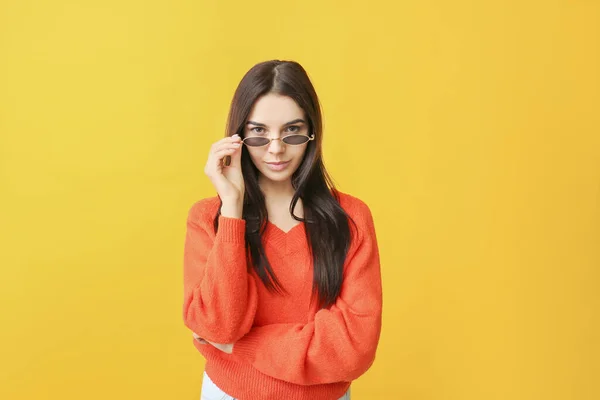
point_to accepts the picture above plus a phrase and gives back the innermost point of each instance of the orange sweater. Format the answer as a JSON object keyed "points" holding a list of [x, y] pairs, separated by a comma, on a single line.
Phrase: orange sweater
{"points": [[284, 347]]}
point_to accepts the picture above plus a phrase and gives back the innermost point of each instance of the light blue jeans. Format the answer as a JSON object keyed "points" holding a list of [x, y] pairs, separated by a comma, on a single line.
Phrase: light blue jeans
{"points": [[210, 391]]}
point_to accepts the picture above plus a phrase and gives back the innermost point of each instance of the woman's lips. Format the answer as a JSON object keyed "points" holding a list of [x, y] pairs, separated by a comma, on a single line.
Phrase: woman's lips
{"points": [[278, 166]]}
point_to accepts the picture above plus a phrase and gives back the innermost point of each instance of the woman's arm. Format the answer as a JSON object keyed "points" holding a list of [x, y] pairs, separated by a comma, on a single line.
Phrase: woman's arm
{"points": [[220, 297], [341, 342]]}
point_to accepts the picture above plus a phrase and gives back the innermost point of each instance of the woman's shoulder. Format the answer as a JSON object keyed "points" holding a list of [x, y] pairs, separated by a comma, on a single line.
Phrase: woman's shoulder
{"points": [[354, 207], [359, 213]]}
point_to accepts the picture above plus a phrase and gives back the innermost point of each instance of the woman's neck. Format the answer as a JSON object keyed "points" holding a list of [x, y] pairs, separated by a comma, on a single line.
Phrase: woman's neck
{"points": [[278, 197], [276, 191]]}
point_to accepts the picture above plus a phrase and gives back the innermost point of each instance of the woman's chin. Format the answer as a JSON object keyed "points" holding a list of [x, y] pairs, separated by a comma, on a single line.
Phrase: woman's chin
{"points": [[277, 177]]}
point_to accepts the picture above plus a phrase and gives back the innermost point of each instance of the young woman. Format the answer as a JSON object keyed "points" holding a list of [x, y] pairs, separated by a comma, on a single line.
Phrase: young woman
{"points": [[282, 285]]}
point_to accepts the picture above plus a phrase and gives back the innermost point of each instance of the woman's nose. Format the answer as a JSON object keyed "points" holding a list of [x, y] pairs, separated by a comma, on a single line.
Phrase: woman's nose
{"points": [[276, 146]]}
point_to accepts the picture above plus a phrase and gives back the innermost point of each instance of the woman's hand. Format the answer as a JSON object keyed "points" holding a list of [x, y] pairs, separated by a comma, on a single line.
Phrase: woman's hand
{"points": [[226, 348], [199, 339], [227, 180]]}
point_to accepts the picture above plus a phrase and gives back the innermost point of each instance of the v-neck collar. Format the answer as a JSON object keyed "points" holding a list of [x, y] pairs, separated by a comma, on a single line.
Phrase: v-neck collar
{"points": [[282, 231], [285, 241]]}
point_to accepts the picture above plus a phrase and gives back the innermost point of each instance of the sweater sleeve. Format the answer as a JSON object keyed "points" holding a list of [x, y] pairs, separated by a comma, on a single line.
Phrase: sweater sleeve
{"points": [[220, 296], [340, 343]]}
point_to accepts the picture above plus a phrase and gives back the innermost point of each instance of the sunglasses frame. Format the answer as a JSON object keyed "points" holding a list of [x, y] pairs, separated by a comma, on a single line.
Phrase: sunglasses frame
{"points": [[311, 137]]}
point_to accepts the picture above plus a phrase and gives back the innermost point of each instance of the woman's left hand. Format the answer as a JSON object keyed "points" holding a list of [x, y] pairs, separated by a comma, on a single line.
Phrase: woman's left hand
{"points": [[199, 339], [226, 348]]}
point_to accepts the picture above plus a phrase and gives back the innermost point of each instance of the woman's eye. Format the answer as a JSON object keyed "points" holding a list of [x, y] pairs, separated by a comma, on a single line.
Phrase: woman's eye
{"points": [[293, 128], [255, 130]]}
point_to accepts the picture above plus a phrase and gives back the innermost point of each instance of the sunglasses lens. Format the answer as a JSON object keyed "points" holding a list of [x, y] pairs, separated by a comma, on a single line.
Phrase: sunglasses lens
{"points": [[256, 141], [295, 139]]}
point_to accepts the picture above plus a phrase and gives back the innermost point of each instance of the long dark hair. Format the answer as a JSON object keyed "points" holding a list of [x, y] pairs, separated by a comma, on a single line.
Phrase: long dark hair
{"points": [[327, 224]]}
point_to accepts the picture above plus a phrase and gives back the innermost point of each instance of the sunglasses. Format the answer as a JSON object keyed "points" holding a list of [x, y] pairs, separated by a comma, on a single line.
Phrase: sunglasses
{"points": [[293, 140]]}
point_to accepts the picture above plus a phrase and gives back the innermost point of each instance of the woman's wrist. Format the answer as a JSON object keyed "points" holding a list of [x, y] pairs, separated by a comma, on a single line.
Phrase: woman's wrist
{"points": [[232, 209]]}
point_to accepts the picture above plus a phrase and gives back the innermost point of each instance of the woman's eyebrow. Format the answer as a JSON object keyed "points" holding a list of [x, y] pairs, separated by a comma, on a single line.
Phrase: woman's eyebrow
{"points": [[296, 121]]}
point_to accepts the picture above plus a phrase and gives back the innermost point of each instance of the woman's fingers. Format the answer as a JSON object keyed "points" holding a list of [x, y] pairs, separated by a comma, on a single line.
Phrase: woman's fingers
{"points": [[219, 155], [227, 142], [226, 153], [236, 159], [224, 146], [226, 348], [198, 338]]}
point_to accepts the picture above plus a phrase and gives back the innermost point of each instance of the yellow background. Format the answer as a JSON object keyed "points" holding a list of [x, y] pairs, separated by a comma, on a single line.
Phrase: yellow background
{"points": [[471, 129]]}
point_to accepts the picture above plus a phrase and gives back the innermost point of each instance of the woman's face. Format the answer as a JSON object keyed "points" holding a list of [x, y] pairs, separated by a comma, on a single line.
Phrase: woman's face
{"points": [[275, 116]]}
